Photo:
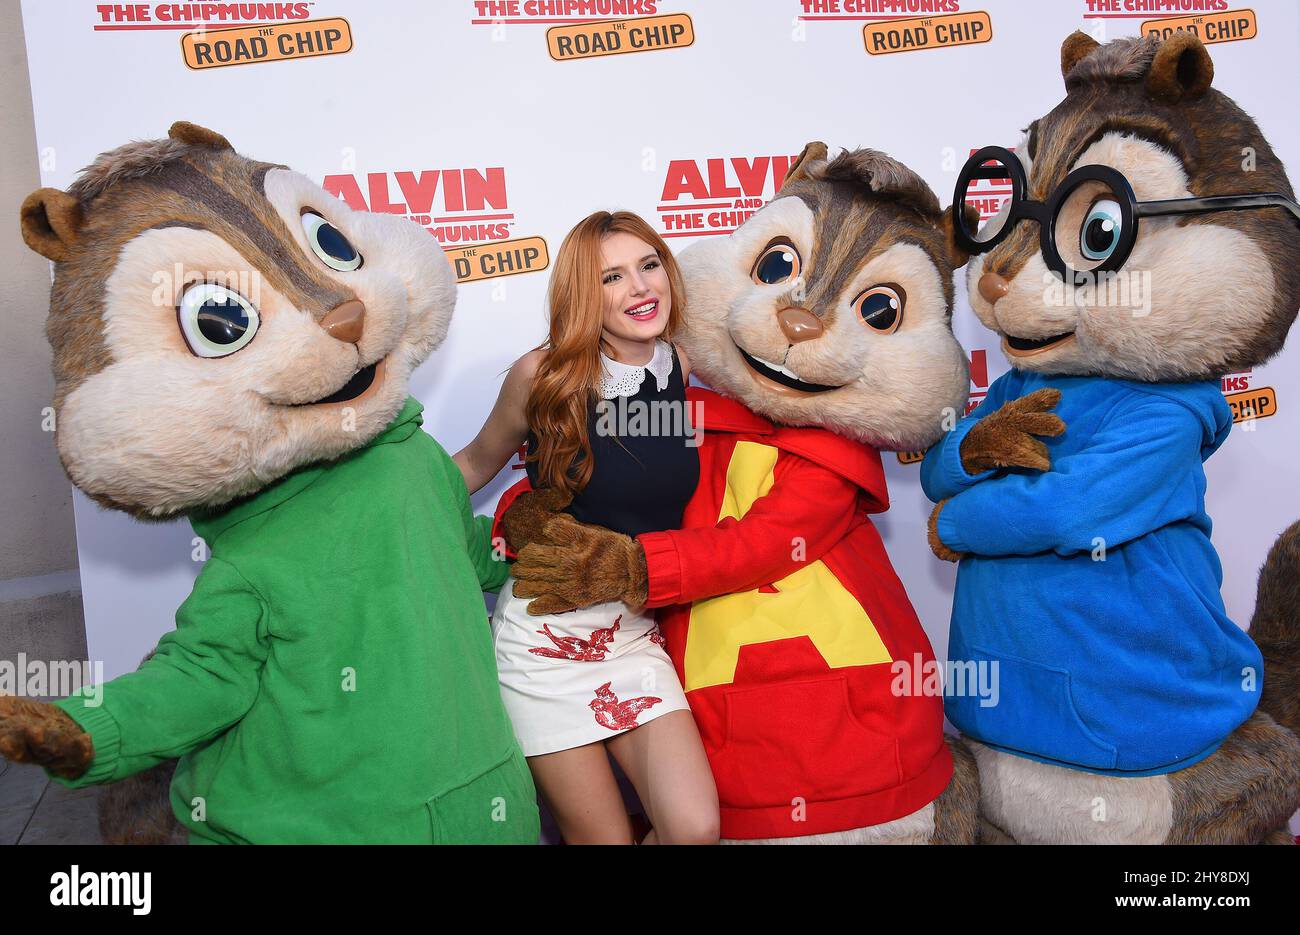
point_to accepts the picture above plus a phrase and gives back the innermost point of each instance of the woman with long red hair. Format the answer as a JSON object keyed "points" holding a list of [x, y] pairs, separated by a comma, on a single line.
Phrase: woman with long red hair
{"points": [[596, 681]]}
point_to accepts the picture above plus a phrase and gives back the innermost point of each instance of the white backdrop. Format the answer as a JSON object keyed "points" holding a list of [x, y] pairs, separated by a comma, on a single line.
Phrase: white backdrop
{"points": [[439, 86]]}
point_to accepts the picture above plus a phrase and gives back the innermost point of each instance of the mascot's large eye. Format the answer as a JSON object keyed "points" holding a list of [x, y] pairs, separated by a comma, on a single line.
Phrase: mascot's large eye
{"points": [[1101, 228], [881, 307], [778, 263], [215, 321], [328, 243]]}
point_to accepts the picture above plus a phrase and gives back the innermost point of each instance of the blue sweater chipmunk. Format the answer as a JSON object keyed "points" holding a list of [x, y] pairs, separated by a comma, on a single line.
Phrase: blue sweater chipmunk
{"points": [[1129, 704]]}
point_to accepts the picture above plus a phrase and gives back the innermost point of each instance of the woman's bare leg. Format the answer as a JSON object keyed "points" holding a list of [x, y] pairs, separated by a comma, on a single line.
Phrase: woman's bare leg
{"points": [[665, 760], [582, 794]]}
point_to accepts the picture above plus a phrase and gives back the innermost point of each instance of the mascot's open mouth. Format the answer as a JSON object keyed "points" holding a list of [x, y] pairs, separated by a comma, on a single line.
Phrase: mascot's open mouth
{"points": [[357, 385], [1025, 347], [781, 374]]}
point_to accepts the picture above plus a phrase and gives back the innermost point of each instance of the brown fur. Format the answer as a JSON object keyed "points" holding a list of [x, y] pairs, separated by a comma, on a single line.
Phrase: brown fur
{"points": [[1005, 437], [187, 180], [1160, 90], [526, 518], [34, 732], [1275, 628], [882, 175], [580, 565], [812, 152], [956, 810], [162, 206], [861, 214], [941, 551], [1243, 792], [138, 809]]}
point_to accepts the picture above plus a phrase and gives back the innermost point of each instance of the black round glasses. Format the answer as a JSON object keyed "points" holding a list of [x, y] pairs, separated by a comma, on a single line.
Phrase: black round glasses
{"points": [[1088, 224]]}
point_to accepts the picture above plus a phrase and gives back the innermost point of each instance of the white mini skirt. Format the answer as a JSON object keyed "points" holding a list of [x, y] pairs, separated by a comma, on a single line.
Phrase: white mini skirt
{"points": [[575, 678]]}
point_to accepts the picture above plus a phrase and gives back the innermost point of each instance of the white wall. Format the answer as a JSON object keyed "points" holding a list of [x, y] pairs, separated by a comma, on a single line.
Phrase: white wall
{"points": [[425, 88]]}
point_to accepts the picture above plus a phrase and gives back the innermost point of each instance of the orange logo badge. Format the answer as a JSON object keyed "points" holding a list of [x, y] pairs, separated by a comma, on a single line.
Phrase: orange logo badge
{"points": [[617, 37], [245, 45], [927, 32], [1228, 26]]}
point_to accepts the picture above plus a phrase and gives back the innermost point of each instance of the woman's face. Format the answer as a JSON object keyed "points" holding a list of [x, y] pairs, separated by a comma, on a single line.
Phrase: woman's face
{"points": [[635, 285]]}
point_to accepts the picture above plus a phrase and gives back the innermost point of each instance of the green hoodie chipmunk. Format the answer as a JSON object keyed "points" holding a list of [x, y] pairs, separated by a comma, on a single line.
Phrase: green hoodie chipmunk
{"points": [[330, 678]]}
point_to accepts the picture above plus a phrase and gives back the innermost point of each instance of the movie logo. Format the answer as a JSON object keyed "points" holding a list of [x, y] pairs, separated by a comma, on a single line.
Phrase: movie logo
{"points": [[1228, 26], [119, 17], [466, 209], [247, 45], [1248, 403], [716, 195], [550, 12], [1150, 9], [874, 9], [887, 37], [619, 37]]}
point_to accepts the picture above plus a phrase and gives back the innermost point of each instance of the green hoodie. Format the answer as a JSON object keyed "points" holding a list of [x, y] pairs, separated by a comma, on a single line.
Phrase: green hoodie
{"points": [[331, 677]]}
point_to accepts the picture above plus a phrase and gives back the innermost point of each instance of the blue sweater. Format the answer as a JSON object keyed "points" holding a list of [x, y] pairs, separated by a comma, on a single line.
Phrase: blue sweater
{"points": [[1094, 586]]}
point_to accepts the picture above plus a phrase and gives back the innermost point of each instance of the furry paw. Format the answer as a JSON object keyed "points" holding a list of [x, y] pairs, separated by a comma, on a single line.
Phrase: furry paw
{"points": [[941, 551], [525, 519], [1005, 437], [39, 733], [574, 565]]}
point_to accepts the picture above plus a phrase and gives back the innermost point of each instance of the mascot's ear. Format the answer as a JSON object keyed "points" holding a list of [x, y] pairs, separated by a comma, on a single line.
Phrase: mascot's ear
{"points": [[186, 132], [1076, 47], [1181, 69], [51, 222], [956, 255], [813, 152]]}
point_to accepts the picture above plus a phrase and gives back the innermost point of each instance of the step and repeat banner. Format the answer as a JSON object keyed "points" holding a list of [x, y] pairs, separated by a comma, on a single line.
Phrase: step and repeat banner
{"points": [[498, 124]]}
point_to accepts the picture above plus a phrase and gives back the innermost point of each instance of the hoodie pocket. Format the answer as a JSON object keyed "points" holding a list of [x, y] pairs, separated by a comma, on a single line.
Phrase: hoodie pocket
{"points": [[1034, 712], [498, 806], [799, 740]]}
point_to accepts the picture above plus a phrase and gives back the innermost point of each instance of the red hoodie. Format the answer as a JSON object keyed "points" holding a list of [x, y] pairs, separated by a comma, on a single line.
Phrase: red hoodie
{"points": [[782, 615], [788, 671]]}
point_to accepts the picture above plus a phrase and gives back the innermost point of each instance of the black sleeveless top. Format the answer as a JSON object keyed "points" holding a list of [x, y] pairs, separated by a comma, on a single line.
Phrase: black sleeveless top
{"points": [[643, 471]]}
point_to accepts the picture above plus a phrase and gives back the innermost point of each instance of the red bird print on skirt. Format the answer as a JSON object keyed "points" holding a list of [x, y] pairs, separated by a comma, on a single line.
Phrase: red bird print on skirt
{"points": [[619, 715], [576, 648]]}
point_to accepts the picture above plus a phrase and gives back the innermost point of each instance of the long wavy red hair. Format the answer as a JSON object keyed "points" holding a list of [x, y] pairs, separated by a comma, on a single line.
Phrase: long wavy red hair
{"points": [[564, 386]]}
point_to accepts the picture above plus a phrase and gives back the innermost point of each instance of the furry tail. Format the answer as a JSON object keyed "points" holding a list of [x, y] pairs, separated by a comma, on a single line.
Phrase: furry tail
{"points": [[1275, 628], [138, 809]]}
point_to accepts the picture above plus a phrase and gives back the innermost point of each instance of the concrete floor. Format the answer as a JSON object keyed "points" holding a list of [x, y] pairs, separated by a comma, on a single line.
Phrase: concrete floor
{"points": [[34, 810]]}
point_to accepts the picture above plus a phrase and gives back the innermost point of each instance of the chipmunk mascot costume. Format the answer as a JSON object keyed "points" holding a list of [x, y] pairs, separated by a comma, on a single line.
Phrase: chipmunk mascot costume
{"points": [[1130, 704], [330, 677], [823, 327]]}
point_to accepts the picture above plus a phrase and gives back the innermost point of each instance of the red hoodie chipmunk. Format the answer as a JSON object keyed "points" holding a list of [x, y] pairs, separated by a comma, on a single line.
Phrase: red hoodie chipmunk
{"points": [[823, 326]]}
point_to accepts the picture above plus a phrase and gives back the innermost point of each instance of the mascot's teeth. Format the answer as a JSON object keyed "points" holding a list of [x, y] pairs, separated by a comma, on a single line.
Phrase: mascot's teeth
{"points": [[779, 368]]}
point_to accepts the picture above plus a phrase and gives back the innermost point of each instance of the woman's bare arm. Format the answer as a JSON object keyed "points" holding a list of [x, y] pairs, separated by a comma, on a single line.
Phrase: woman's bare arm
{"points": [[506, 427]]}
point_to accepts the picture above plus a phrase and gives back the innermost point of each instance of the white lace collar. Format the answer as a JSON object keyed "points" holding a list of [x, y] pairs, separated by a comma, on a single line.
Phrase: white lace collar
{"points": [[620, 379]]}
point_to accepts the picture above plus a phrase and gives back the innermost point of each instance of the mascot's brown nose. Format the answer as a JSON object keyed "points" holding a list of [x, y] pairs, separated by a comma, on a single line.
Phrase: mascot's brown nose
{"points": [[346, 321], [992, 287], [799, 324]]}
